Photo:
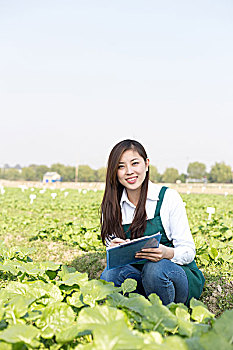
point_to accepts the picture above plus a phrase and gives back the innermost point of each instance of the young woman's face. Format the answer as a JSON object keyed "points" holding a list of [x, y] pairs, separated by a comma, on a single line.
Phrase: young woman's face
{"points": [[132, 170]]}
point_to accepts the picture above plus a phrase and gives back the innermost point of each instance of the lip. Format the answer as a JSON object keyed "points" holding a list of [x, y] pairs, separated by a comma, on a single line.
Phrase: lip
{"points": [[131, 179]]}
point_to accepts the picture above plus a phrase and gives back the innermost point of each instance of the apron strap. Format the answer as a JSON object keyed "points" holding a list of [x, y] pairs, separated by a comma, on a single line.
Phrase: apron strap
{"points": [[160, 201]]}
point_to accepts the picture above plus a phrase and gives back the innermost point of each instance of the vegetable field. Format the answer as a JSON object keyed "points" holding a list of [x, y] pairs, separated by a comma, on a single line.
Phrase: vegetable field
{"points": [[51, 297]]}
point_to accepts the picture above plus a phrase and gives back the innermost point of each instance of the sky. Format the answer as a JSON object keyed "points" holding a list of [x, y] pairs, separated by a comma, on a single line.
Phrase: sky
{"points": [[78, 76]]}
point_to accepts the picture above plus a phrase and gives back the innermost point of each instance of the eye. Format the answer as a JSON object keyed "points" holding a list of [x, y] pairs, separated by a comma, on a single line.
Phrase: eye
{"points": [[120, 166], [135, 163]]}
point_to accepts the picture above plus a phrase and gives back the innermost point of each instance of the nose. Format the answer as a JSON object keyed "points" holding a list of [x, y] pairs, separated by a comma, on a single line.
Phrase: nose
{"points": [[129, 170]]}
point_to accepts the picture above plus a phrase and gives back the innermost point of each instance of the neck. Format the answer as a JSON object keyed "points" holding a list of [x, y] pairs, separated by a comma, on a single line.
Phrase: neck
{"points": [[134, 196]]}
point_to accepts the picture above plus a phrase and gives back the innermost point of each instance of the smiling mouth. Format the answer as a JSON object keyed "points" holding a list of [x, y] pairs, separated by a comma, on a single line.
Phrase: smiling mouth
{"points": [[131, 180]]}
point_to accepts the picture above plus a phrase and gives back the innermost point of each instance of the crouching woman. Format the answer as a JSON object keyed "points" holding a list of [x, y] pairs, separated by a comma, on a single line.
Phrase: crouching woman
{"points": [[133, 207]]}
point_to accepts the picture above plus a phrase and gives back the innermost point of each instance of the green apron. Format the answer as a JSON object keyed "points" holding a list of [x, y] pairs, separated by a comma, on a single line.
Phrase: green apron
{"points": [[195, 277]]}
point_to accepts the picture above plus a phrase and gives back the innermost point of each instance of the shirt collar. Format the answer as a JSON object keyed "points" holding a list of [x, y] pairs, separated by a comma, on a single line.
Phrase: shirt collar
{"points": [[152, 194], [124, 198]]}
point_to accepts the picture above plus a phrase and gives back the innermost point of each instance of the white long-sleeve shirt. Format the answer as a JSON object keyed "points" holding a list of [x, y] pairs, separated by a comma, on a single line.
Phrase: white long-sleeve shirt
{"points": [[173, 217]]}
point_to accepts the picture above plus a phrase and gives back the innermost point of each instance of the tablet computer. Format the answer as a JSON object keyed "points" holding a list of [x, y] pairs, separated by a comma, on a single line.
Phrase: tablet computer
{"points": [[124, 253]]}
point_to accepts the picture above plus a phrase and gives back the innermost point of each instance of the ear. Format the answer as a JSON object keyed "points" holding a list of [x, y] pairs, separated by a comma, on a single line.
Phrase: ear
{"points": [[147, 164]]}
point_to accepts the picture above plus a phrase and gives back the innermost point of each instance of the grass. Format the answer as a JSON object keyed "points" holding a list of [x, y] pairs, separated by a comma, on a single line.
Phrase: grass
{"points": [[217, 293], [92, 263]]}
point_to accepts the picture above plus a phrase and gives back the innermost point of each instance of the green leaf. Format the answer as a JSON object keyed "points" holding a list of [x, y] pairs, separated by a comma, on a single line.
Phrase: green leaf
{"points": [[66, 270], [75, 300], [55, 317], [41, 289], [68, 289], [185, 327], [51, 274], [158, 312], [213, 253], [35, 289], [194, 302], [5, 346], [227, 257], [152, 340], [18, 306], [70, 279], [89, 346], [182, 314], [30, 268], [49, 265], [228, 234], [137, 304], [21, 333], [155, 299], [224, 326], [151, 337], [33, 315], [201, 314], [116, 335], [89, 318], [200, 328], [68, 334], [172, 307], [96, 290], [129, 285], [166, 318], [1, 309], [194, 343], [212, 341], [204, 259], [174, 342], [23, 252], [9, 266], [17, 288], [48, 332]]}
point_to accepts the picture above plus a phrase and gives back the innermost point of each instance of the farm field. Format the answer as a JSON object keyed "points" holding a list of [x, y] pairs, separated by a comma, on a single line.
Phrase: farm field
{"points": [[51, 257], [209, 188]]}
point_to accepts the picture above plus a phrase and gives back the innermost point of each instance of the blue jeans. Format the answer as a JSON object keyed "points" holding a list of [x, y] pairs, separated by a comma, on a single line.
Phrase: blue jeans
{"points": [[165, 278]]}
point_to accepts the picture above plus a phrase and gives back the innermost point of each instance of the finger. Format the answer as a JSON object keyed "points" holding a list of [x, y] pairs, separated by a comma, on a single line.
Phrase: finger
{"points": [[153, 259], [114, 244], [118, 240], [147, 255], [151, 250]]}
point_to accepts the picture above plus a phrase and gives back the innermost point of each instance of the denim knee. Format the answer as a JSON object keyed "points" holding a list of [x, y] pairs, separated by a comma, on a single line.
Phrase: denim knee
{"points": [[109, 275], [155, 270], [166, 279], [120, 274]]}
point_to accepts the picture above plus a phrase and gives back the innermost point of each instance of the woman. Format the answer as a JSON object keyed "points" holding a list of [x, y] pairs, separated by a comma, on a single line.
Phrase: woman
{"points": [[133, 206]]}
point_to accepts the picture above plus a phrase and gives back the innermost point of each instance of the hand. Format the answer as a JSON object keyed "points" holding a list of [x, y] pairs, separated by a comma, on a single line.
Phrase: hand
{"points": [[156, 254], [118, 241]]}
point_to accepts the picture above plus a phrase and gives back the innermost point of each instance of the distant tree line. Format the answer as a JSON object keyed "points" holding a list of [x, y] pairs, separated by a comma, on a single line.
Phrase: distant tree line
{"points": [[196, 172]]}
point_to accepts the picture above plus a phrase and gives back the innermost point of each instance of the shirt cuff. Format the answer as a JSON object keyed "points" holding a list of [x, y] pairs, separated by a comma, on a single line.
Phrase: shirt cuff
{"points": [[183, 255], [108, 239]]}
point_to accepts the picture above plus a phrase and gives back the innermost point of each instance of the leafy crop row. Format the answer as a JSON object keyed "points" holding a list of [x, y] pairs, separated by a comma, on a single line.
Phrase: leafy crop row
{"points": [[74, 220], [213, 238], [46, 305]]}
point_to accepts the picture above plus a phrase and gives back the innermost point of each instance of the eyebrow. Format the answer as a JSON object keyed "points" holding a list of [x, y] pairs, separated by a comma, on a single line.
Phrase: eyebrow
{"points": [[131, 160]]}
